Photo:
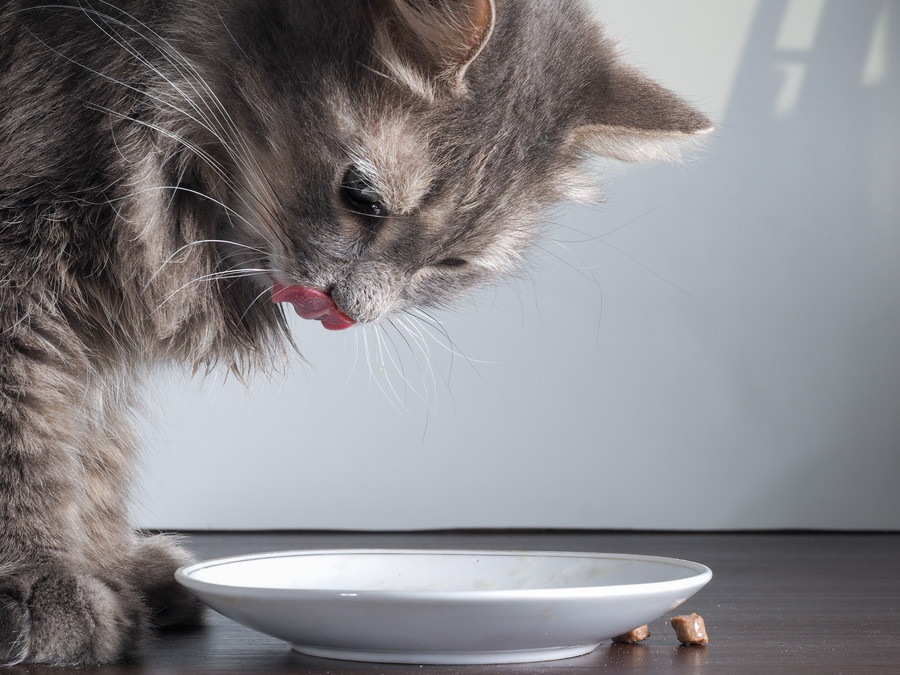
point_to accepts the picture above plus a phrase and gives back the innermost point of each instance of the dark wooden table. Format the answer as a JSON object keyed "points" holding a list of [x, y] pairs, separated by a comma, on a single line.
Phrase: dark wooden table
{"points": [[778, 603]]}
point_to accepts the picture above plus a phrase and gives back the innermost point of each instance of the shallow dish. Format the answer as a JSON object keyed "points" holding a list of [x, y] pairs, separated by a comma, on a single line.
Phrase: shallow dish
{"points": [[443, 607]]}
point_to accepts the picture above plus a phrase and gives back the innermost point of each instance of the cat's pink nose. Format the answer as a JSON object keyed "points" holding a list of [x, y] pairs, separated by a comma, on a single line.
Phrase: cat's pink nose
{"points": [[311, 303]]}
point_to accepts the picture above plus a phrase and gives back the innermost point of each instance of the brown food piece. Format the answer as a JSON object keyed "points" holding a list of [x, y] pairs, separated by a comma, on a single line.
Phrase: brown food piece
{"points": [[690, 629], [638, 634]]}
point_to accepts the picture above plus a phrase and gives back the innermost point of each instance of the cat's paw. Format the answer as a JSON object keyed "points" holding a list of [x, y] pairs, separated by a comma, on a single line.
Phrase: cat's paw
{"points": [[153, 573], [58, 616]]}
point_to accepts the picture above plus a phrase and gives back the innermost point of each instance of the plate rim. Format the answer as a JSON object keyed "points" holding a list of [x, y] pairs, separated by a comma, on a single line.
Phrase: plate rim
{"points": [[702, 574]]}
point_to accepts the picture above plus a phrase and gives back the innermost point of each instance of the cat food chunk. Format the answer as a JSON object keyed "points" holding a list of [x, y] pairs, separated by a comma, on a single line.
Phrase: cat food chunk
{"points": [[690, 629], [633, 636]]}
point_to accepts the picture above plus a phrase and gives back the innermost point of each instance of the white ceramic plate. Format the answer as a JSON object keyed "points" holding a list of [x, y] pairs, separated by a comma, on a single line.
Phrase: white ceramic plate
{"points": [[445, 607]]}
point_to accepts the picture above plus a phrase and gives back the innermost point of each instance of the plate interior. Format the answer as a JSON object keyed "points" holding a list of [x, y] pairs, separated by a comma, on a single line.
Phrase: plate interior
{"points": [[404, 571]]}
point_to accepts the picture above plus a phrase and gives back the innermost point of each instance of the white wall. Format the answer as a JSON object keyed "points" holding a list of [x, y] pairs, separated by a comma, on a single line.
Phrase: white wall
{"points": [[727, 332]]}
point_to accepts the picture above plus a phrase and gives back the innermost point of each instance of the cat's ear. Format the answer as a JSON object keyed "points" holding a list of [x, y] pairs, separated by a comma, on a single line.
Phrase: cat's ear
{"points": [[431, 43], [632, 118]]}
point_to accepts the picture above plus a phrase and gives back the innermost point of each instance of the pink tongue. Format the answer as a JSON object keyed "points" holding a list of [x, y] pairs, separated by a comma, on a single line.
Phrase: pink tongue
{"points": [[312, 304]]}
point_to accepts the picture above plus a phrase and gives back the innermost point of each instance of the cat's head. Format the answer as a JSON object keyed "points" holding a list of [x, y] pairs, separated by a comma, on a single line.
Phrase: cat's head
{"points": [[394, 153]]}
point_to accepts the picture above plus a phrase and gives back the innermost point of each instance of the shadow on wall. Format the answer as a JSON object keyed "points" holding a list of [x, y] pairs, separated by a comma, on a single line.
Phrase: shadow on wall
{"points": [[826, 71], [814, 271]]}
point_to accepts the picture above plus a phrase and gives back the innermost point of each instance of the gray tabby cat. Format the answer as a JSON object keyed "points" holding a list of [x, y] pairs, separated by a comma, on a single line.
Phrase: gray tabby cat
{"points": [[169, 167]]}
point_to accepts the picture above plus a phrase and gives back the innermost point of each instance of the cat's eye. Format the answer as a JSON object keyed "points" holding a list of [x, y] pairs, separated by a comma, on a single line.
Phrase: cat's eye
{"points": [[452, 262], [360, 196]]}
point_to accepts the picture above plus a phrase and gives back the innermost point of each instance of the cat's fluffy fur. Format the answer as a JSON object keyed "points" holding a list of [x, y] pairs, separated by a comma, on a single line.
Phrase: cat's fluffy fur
{"points": [[164, 162]]}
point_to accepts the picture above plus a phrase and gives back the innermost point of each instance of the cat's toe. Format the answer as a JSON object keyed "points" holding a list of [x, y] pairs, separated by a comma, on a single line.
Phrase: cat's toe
{"points": [[13, 629], [60, 617]]}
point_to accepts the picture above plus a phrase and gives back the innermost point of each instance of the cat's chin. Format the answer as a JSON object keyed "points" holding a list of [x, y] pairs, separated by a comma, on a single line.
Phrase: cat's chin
{"points": [[311, 303]]}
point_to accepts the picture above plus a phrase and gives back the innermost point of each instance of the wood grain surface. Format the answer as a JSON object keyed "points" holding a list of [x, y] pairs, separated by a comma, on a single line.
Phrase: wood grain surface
{"points": [[778, 603]]}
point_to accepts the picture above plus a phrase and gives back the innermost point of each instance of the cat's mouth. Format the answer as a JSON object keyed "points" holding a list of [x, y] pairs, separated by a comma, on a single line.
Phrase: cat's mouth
{"points": [[311, 303]]}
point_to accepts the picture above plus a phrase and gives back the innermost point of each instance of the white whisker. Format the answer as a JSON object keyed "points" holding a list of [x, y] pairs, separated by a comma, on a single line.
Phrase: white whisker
{"points": [[387, 378], [422, 346], [398, 364], [374, 376], [442, 337], [262, 294], [236, 273]]}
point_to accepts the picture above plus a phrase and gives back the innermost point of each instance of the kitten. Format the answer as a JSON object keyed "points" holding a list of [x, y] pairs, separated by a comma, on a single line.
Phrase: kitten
{"points": [[168, 168]]}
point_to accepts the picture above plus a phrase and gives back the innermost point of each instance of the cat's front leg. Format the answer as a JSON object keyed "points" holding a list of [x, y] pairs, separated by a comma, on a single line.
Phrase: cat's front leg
{"points": [[57, 604], [64, 597]]}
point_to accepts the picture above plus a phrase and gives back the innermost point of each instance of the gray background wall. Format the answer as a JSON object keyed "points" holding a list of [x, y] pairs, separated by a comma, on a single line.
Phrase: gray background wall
{"points": [[726, 332]]}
